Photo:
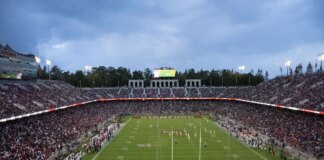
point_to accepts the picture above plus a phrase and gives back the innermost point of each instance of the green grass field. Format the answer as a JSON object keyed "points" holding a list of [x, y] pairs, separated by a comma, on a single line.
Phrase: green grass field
{"points": [[152, 139]]}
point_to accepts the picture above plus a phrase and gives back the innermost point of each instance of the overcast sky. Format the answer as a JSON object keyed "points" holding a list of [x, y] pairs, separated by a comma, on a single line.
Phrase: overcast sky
{"points": [[200, 34]]}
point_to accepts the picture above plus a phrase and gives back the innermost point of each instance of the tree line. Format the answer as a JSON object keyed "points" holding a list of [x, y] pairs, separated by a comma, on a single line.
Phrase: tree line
{"points": [[299, 69], [113, 77]]}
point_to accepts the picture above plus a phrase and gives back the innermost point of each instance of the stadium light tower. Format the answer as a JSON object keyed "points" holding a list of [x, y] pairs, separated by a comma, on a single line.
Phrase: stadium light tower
{"points": [[87, 68], [320, 58], [287, 64], [118, 74], [48, 63], [241, 68], [38, 60]]}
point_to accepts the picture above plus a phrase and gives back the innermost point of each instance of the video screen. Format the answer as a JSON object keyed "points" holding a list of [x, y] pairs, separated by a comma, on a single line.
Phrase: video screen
{"points": [[160, 73], [6, 75]]}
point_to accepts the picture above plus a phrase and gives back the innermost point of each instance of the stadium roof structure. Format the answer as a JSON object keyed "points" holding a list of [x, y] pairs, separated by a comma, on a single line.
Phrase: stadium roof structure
{"points": [[7, 47]]}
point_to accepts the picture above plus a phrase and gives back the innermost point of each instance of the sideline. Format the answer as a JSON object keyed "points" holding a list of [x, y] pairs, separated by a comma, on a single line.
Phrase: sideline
{"points": [[238, 140], [106, 144]]}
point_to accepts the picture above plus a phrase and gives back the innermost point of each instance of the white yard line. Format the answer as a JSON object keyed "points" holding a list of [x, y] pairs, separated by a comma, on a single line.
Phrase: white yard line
{"points": [[156, 148], [159, 140], [172, 145], [199, 142], [242, 143], [110, 140]]}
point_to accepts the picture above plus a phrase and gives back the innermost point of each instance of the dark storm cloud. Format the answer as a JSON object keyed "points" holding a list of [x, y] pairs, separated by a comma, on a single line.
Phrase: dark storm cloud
{"points": [[178, 33]]}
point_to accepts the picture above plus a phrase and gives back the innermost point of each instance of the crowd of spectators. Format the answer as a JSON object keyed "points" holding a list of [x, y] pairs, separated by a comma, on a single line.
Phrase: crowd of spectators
{"points": [[304, 91], [123, 92], [151, 92], [26, 97], [165, 92], [179, 92], [193, 92], [300, 130], [40, 136], [138, 92]]}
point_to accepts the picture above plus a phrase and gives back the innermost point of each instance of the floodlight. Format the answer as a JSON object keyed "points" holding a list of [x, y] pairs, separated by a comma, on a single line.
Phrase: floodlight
{"points": [[241, 68], [320, 57], [38, 60], [48, 62], [88, 68], [288, 63]]}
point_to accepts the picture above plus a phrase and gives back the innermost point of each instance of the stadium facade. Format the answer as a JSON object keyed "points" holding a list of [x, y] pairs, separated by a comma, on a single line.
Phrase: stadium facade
{"points": [[15, 65]]}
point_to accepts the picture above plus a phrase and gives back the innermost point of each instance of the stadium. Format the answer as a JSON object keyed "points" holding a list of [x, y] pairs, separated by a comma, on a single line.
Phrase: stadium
{"points": [[164, 112], [44, 119]]}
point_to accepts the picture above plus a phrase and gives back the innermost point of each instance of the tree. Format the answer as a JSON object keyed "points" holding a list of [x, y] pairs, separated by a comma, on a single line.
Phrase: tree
{"points": [[181, 77], [258, 78], [266, 76], [214, 78], [102, 76], [56, 73], [191, 74], [137, 74], [79, 79], [123, 75], [39, 71], [203, 75], [148, 75], [299, 69], [309, 69], [44, 73]]}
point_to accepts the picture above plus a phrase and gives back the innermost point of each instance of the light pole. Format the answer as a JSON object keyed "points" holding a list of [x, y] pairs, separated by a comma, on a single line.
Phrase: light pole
{"points": [[87, 70], [320, 58], [107, 74], [241, 68], [38, 60], [236, 78], [221, 74], [118, 79], [287, 64], [48, 63]]}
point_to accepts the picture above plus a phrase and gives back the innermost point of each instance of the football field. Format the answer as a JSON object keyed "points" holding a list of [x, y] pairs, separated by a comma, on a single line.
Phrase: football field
{"points": [[175, 138]]}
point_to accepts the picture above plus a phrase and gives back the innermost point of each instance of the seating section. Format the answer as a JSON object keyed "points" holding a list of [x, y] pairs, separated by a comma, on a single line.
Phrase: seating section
{"points": [[304, 91]]}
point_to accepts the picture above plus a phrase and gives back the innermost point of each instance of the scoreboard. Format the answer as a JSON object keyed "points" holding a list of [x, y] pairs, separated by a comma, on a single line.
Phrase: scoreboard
{"points": [[164, 72]]}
